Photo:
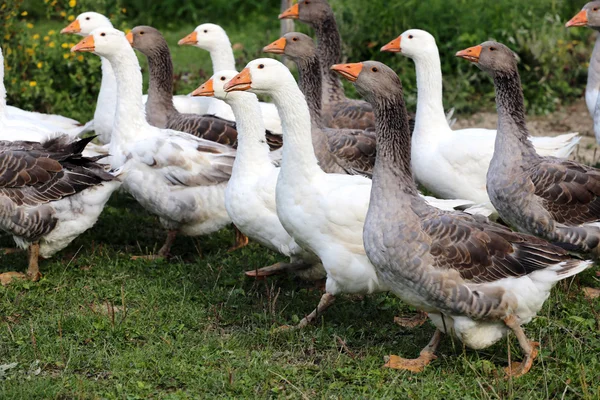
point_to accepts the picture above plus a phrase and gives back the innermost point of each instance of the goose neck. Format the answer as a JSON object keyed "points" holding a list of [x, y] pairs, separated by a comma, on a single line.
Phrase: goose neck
{"points": [[160, 87], [108, 85], [130, 121], [222, 57], [329, 50], [310, 83], [430, 108], [593, 80]]}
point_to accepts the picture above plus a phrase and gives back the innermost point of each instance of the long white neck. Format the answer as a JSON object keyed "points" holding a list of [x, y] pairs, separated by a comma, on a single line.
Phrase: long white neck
{"points": [[430, 109], [130, 120], [108, 86], [253, 150], [222, 56], [298, 152]]}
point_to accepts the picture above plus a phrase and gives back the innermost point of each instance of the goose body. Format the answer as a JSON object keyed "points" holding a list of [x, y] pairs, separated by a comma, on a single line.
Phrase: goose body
{"points": [[453, 163]]}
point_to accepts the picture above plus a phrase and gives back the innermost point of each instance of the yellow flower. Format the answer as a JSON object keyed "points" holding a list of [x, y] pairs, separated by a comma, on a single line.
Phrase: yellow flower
{"points": [[123, 10], [66, 55], [36, 36], [63, 14], [7, 36], [51, 32], [24, 14], [32, 83], [51, 44], [29, 51], [71, 17], [46, 38], [80, 58], [64, 45], [72, 3], [40, 64], [29, 25]]}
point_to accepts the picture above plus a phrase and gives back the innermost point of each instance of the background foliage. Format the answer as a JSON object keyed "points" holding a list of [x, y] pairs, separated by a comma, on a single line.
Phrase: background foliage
{"points": [[553, 58]]}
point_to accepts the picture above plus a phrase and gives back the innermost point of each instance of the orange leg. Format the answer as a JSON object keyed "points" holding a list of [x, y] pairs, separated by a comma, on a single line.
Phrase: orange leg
{"points": [[241, 240], [276, 269], [417, 364], [530, 349], [326, 301], [33, 271]]}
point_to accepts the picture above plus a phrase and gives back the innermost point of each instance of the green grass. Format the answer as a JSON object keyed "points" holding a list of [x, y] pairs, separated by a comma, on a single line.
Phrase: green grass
{"points": [[99, 325]]}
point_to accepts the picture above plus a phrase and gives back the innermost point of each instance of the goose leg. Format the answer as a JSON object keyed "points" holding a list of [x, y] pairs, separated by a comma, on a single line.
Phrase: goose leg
{"points": [[7, 277], [164, 250], [530, 349], [241, 240], [417, 364], [33, 272], [326, 301], [277, 268]]}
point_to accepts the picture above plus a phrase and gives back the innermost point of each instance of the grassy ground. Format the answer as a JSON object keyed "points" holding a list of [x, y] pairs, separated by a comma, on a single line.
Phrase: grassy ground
{"points": [[99, 325]]}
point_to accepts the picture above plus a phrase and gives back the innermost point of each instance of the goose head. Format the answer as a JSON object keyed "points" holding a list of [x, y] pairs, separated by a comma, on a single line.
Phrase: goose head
{"points": [[86, 22], [412, 43], [103, 42], [308, 11], [263, 75], [215, 86], [146, 39], [373, 80], [588, 16], [206, 36], [294, 45], [492, 57]]}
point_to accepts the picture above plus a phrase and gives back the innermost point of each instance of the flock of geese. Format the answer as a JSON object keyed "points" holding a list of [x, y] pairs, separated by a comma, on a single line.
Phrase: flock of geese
{"points": [[339, 198]]}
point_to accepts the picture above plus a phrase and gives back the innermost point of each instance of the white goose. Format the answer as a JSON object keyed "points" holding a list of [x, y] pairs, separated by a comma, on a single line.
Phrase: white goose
{"points": [[250, 193], [104, 115], [174, 175], [324, 213], [214, 39], [453, 163]]}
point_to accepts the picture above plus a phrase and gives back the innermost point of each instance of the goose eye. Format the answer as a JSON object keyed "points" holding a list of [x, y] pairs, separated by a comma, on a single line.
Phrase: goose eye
{"points": [[87, 18], [206, 31], [261, 66], [295, 39], [492, 48], [103, 34], [222, 78], [595, 9], [374, 69], [410, 36], [307, 2], [141, 33]]}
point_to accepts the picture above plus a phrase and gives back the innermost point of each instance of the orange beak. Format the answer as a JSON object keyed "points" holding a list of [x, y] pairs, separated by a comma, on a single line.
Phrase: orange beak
{"points": [[470, 54], [87, 44], [348, 71], [580, 19], [73, 27], [129, 38], [291, 13], [277, 47], [240, 82], [393, 46], [206, 89], [192, 38]]}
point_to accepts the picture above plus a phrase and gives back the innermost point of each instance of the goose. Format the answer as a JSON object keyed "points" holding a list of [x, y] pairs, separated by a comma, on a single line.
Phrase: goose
{"points": [[214, 39], [590, 16], [556, 199], [337, 150], [324, 213], [476, 279], [338, 110], [49, 195], [453, 163], [174, 175], [250, 193], [59, 122], [159, 107], [20, 122], [104, 114]]}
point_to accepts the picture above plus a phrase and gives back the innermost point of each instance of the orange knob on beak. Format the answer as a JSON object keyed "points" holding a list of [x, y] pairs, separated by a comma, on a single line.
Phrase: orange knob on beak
{"points": [[580, 19], [240, 82], [87, 44], [73, 27], [206, 89], [192, 38], [348, 71], [291, 13], [470, 54], [393, 46], [277, 47], [129, 38]]}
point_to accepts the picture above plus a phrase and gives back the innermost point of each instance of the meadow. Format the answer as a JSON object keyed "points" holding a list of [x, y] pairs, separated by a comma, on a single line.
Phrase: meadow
{"points": [[100, 325]]}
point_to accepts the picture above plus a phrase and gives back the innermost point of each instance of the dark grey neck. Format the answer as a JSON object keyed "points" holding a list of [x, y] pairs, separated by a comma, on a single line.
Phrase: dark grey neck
{"points": [[393, 142], [160, 88], [512, 129], [310, 82], [329, 50]]}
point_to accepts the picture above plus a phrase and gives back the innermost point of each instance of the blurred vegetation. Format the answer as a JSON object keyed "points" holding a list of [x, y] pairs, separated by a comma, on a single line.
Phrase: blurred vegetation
{"points": [[553, 59]]}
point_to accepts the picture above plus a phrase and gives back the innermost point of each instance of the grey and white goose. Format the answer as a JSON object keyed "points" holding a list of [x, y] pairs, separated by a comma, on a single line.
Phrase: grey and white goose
{"points": [[160, 111], [338, 150], [338, 110], [49, 195], [476, 279], [590, 16], [556, 199]]}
